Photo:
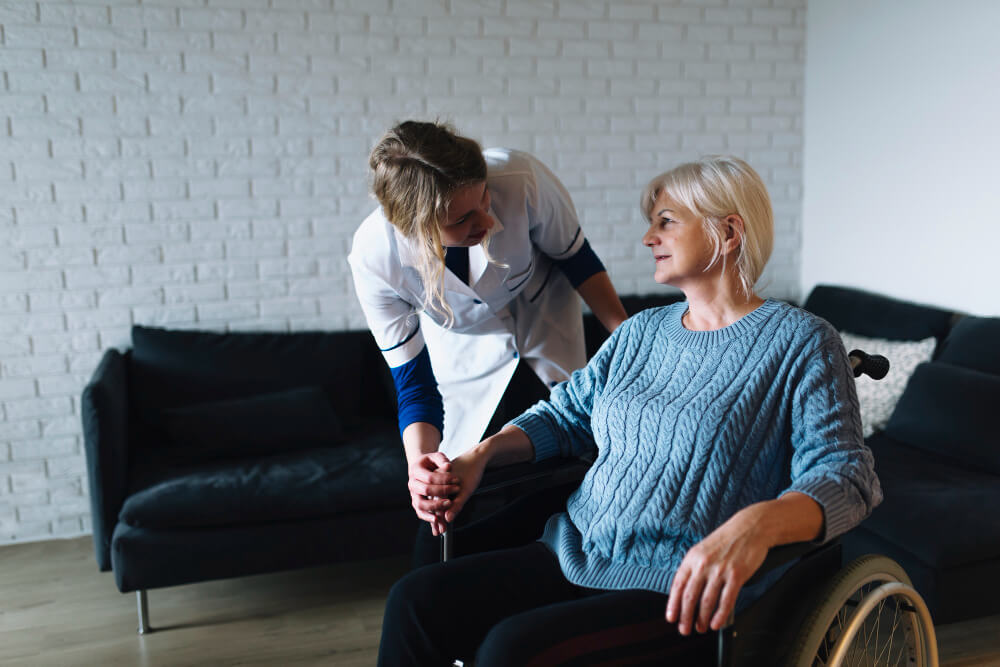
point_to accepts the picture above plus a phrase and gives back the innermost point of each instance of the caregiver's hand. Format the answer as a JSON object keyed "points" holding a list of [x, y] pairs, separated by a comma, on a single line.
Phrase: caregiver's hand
{"points": [[431, 485]]}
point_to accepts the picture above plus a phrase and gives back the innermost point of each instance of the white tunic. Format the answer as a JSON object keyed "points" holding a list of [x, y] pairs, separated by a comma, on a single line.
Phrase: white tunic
{"points": [[527, 308]]}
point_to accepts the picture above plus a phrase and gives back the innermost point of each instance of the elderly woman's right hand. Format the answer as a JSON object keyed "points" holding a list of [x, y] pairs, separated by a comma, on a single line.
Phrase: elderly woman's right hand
{"points": [[469, 469], [432, 484]]}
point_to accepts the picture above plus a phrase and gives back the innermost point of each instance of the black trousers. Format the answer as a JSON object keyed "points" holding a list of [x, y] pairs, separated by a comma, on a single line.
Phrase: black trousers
{"points": [[514, 607]]}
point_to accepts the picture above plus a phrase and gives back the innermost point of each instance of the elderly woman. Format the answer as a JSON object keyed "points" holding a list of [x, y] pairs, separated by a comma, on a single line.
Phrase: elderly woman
{"points": [[724, 425]]}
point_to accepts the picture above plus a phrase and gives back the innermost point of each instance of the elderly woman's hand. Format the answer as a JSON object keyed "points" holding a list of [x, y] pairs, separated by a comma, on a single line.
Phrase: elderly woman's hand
{"points": [[704, 590], [705, 587], [468, 468]]}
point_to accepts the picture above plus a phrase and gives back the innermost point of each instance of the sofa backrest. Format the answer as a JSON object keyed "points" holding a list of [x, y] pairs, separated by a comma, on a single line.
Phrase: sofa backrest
{"points": [[173, 368], [949, 411], [878, 316], [974, 342], [948, 406]]}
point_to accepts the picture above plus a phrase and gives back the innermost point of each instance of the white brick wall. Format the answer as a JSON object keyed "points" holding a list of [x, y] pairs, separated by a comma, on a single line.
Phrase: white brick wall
{"points": [[201, 163]]}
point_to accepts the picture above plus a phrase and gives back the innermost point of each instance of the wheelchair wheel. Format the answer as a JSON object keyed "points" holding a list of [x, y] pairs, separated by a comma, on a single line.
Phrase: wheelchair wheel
{"points": [[868, 615]]}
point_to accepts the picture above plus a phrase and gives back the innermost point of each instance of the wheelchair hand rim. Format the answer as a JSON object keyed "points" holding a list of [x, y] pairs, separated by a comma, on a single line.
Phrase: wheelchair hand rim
{"points": [[927, 639]]}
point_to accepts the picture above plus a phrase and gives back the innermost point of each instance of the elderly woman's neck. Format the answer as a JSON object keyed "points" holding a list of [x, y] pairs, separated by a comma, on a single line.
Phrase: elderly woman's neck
{"points": [[712, 307]]}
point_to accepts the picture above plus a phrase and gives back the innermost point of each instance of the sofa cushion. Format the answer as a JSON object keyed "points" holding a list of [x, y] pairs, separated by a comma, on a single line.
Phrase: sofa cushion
{"points": [[941, 513], [263, 424], [868, 314], [950, 411], [878, 398], [974, 343], [176, 368], [366, 474]]}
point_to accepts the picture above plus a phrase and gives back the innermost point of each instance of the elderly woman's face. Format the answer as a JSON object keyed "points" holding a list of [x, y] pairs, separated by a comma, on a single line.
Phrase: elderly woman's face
{"points": [[681, 248]]}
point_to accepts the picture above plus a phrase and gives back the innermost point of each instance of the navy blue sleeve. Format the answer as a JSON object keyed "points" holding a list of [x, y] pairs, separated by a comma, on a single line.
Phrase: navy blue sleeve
{"points": [[417, 395], [581, 265]]}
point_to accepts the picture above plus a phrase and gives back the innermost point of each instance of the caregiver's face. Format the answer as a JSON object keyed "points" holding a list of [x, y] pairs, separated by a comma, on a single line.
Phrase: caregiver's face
{"points": [[469, 219]]}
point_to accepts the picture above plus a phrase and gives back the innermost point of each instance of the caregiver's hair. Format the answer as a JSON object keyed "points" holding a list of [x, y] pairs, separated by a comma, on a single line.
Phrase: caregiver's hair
{"points": [[416, 167], [715, 187]]}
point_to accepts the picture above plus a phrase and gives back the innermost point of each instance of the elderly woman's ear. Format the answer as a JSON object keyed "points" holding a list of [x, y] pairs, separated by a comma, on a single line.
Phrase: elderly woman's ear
{"points": [[733, 231]]}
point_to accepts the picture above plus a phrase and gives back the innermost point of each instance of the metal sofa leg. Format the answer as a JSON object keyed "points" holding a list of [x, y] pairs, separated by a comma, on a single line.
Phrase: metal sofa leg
{"points": [[143, 606]]}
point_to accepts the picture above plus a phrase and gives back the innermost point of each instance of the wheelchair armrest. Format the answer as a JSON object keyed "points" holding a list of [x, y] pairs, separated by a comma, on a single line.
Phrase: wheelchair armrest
{"points": [[787, 553], [531, 475]]}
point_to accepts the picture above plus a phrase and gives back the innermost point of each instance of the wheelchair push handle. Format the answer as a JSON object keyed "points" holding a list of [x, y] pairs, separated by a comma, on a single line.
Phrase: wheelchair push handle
{"points": [[873, 365]]}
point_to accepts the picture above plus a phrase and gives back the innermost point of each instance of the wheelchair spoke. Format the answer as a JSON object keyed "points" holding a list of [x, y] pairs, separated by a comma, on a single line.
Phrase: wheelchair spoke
{"points": [[886, 650], [908, 638], [870, 630], [833, 633], [896, 619], [874, 634], [859, 652], [888, 633], [880, 641], [876, 643]]}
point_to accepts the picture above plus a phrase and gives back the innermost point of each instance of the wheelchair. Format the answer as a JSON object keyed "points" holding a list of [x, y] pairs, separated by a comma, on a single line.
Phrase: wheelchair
{"points": [[817, 613]]}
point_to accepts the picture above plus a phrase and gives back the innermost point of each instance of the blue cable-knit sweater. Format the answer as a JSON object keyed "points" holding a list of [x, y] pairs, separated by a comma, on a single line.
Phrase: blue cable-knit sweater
{"points": [[692, 426]]}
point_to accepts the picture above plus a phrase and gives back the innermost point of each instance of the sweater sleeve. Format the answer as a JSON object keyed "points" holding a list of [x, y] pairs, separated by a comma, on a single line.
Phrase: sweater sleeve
{"points": [[830, 462], [561, 426]]}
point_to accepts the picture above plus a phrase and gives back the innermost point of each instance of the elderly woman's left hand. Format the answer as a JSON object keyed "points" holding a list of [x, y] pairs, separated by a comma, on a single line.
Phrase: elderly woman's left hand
{"points": [[704, 591], [705, 587]]}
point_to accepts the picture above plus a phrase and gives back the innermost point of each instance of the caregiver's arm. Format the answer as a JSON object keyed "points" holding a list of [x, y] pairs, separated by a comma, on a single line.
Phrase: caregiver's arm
{"points": [[600, 295]]}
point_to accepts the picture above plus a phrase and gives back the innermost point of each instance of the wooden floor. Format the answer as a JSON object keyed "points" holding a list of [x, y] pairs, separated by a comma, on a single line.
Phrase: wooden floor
{"points": [[57, 609]]}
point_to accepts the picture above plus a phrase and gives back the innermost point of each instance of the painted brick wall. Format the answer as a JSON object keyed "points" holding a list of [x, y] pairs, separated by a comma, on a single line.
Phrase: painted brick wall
{"points": [[201, 163]]}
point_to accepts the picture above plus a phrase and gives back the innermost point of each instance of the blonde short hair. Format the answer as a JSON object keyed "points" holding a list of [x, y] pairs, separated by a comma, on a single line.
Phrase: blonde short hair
{"points": [[416, 167], [715, 187]]}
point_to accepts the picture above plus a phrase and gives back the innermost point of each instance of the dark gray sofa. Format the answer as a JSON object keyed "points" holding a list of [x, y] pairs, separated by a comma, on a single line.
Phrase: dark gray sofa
{"points": [[173, 506], [939, 456]]}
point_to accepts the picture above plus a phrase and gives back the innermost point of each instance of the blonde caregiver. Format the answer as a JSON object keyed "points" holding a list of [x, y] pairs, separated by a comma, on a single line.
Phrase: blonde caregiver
{"points": [[468, 266]]}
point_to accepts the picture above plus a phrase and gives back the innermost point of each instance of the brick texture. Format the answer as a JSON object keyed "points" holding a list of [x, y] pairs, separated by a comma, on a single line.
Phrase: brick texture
{"points": [[195, 163]]}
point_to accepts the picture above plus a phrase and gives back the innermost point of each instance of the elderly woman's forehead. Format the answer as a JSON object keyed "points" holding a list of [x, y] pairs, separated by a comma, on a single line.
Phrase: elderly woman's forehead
{"points": [[664, 199]]}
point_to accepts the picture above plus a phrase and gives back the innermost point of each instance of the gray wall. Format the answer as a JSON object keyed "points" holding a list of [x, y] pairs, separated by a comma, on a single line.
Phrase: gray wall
{"points": [[902, 135], [193, 163]]}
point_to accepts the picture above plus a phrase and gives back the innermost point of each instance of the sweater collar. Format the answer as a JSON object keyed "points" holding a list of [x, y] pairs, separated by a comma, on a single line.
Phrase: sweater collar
{"points": [[749, 323]]}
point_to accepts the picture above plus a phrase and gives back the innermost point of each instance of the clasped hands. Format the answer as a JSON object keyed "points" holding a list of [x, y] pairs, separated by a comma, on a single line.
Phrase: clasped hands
{"points": [[440, 487]]}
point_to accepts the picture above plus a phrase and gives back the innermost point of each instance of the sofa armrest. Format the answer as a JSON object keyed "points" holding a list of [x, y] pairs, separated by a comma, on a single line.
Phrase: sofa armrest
{"points": [[104, 411]]}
